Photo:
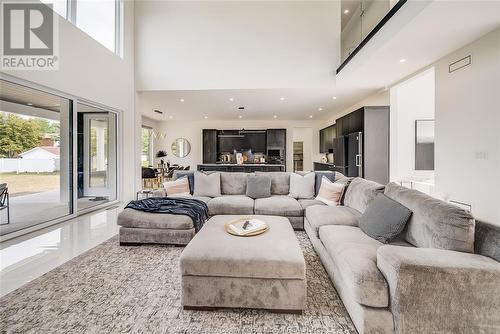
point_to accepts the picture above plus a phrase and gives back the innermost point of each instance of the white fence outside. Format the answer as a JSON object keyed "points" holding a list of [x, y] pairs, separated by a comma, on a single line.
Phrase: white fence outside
{"points": [[18, 165]]}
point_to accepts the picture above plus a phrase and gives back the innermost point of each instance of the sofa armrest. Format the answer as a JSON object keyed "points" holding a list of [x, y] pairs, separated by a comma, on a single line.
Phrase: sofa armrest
{"points": [[441, 291], [159, 193]]}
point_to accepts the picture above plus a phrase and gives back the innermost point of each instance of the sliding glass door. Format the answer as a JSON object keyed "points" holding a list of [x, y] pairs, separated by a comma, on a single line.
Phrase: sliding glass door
{"points": [[36, 151], [97, 156]]}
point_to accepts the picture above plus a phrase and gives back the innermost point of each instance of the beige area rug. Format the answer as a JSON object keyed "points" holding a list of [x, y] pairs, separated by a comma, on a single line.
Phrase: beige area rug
{"points": [[113, 289]]}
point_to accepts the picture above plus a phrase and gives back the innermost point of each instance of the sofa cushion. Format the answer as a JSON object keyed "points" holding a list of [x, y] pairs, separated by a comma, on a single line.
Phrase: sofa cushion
{"points": [[384, 219], [230, 204], [319, 177], [140, 219], [302, 186], [318, 216], [280, 182], [233, 183], [202, 198], [360, 193], [330, 192], [305, 203], [355, 255], [258, 186], [177, 188], [190, 176], [207, 184], [278, 205], [434, 223]]}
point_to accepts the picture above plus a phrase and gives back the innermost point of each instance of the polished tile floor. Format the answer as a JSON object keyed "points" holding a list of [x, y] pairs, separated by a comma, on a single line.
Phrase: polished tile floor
{"points": [[27, 257]]}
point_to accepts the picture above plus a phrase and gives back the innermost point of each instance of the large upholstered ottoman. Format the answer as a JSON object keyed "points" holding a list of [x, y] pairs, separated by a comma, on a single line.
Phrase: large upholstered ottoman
{"points": [[138, 227], [220, 270]]}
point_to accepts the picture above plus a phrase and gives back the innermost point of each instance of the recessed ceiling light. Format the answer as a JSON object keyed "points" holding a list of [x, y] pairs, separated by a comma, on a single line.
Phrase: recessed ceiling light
{"points": [[402, 60], [275, 116], [205, 117], [334, 97], [182, 100], [346, 11], [282, 99], [320, 109], [30, 104], [231, 99], [240, 117], [310, 116], [170, 117]]}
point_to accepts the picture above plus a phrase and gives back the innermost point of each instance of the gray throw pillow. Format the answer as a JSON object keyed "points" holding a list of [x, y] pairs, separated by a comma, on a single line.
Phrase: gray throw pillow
{"points": [[319, 176], [302, 187], [207, 185], [258, 186], [384, 219]]}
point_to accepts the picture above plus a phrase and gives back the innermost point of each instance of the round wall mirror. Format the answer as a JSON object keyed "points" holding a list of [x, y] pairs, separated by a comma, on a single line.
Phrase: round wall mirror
{"points": [[181, 147]]}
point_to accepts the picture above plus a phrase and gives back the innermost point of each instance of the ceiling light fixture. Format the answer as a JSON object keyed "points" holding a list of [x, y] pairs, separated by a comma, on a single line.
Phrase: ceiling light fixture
{"points": [[30, 104], [334, 97], [275, 116], [402, 60], [170, 117], [320, 109], [346, 11], [240, 117], [282, 99], [205, 117], [231, 99], [182, 100], [310, 116]]}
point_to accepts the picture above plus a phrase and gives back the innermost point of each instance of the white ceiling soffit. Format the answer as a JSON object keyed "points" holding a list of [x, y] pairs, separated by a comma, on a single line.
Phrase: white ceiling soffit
{"points": [[421, 32], [196, 45]]}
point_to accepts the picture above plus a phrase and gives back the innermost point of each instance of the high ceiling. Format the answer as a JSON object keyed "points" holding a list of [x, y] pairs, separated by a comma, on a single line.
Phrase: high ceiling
{"points": [[292, 55]]}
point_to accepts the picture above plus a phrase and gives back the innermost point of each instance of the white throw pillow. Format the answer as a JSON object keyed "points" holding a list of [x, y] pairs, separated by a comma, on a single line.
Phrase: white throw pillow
{"points": [[177, 188], [207, 185], [330, 192], [302, 186]]}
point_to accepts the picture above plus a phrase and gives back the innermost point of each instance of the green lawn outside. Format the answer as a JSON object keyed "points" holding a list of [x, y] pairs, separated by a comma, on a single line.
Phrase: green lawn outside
{"points": [[30, 183]]}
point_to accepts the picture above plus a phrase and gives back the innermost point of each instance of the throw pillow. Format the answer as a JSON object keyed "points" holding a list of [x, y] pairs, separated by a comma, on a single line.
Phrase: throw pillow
{"points": [[319, 176], [207, 185], [190, 176], [258, 186], [177, 188], [330, 192], [384, 219], [302, 186]]}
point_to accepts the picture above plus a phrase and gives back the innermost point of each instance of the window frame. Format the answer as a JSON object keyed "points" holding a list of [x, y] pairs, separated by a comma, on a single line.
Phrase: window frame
{"points": [[150, 144]]}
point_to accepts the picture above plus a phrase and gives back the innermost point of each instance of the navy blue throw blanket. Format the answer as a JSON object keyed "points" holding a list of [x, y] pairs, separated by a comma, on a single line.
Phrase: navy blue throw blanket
{"points": [[194, 208]]}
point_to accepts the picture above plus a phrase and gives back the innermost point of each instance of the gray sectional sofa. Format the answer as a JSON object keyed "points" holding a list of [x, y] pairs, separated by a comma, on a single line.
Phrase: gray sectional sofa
{"points": [[441, 276]]}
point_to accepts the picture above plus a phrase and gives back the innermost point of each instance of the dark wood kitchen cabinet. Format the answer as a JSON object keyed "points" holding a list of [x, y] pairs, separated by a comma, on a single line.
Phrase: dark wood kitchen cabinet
{"points": [[326, 137], [276, 138], [209, 146]]}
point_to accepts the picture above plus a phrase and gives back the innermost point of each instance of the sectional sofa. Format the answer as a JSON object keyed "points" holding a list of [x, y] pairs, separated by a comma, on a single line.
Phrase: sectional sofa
{"points": [[441, 276]]}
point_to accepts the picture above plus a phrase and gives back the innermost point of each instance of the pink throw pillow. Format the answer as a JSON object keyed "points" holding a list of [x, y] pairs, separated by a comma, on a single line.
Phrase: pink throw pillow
{"points": [[330, 192]]}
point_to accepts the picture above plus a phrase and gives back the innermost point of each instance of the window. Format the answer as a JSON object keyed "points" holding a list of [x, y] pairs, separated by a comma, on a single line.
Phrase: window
{"points": [[97, 18], [100, 19], [147, 147]]}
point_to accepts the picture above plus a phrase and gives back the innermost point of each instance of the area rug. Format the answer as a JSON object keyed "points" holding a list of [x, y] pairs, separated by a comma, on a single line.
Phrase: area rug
{"points": [[113, 289]]}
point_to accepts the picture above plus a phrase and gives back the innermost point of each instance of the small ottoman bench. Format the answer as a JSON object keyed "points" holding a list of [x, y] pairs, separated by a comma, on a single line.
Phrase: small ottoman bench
{"points": [[138, 227], [267, 271]]}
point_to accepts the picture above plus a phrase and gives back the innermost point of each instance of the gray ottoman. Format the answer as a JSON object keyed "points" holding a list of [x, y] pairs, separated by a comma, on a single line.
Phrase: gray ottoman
{"points": [[138, 227], [220, 270]]}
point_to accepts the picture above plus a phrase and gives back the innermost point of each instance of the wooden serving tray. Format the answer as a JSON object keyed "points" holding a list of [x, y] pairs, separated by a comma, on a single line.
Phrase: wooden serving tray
{"points": [[228, 230]]}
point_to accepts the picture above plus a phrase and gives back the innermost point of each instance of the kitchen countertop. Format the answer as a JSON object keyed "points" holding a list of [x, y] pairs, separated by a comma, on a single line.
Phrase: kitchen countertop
{"points": [[247, 164]]}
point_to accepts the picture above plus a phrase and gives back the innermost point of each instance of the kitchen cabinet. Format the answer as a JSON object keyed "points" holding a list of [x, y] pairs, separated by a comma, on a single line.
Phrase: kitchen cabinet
{"points": [[276, 138], [210, 146], [326, 137]]}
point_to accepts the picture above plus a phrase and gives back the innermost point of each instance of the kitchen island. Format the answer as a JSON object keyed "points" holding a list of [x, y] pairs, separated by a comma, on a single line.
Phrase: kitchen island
{"points": [[246, 167]]}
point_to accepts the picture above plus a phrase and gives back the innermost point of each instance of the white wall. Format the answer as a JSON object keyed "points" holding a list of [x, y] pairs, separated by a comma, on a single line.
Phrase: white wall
{"points": [[468, 128], [278, 44], [411, 100], [381, 98], [192, 131], [89, 70]]}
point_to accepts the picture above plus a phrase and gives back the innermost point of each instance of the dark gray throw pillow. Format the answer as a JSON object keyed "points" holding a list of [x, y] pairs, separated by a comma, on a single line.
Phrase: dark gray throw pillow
{"points": [[319, 176], [258, 186], [384, 219]]}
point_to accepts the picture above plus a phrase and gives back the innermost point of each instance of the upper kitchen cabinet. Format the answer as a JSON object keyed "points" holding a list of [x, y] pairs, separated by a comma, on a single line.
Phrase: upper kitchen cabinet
{"points": [[276, 138]]}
